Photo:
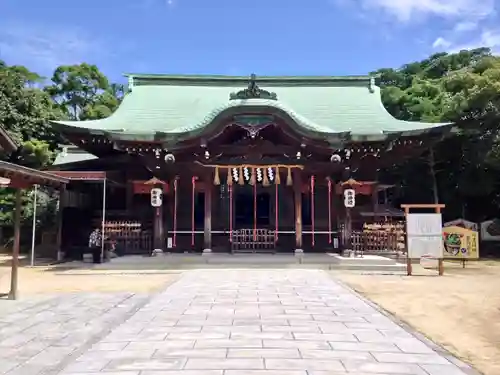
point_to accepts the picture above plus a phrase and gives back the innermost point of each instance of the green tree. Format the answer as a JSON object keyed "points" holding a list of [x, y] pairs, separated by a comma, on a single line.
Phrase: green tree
{"points": [[24, 109], [462, 88], [77, 88], [104, 104], [77, 92], [34, 153]]}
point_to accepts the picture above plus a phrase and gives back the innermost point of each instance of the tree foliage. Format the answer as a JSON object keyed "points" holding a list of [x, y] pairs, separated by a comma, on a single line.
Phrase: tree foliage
{"points": [[27, 105], [83, 92], [25, 109], [463, 88]]}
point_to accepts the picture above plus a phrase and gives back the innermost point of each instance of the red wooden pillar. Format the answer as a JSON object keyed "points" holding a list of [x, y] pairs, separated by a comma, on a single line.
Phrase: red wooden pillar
{"points": [[297, 192], [129, 191], [158, 229], [15, 248], [60, 218], [375, 201], [348, 222], [207, 230]]}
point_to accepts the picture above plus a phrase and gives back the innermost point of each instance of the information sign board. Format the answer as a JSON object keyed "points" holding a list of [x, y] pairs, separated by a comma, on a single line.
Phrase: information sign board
{"points": [[424, 235]]}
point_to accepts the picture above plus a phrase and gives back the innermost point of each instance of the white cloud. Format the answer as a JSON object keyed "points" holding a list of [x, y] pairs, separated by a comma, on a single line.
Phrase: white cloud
{"points": [[407, 10], [148, 5], [474, 22], [43, 48], [465, 26], [440, 42], [488, 38]]}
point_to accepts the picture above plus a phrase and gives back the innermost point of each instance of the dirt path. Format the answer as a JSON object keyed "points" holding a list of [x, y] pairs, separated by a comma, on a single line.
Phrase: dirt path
{"points": [[459, 311], [35, 281]]}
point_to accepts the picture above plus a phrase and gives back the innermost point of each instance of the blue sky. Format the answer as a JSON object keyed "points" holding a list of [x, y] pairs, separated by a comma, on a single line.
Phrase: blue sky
{"points": [[275, 37]]}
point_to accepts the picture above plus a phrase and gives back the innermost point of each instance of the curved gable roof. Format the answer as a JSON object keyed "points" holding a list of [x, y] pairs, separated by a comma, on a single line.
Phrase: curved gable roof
{"points": [[185, 104]]}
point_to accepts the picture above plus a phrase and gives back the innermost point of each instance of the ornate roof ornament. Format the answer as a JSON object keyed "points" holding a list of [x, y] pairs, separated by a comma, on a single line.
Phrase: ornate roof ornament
{"points": [[130, 83], [371, 87], [253, 124], [253, 92]]}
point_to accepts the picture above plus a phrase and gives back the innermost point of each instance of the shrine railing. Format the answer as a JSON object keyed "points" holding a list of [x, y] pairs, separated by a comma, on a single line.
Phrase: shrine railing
{"points": [[253, 240]]}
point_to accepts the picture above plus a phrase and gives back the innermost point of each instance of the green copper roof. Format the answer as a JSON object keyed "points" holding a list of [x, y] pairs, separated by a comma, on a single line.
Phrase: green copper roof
{"points": [[185, 105], [72, 154]]}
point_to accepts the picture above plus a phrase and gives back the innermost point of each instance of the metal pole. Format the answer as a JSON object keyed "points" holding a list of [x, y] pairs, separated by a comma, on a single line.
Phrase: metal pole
{"points": [[103, 216], [33, 230]]}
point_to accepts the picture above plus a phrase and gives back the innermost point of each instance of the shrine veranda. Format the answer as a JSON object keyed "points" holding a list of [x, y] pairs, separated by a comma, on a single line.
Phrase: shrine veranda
{"points": [[243, 163]]}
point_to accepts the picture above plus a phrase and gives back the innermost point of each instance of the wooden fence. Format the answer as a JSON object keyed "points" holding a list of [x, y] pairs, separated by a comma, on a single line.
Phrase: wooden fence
{"points": [[374, 242], [253, 240]]}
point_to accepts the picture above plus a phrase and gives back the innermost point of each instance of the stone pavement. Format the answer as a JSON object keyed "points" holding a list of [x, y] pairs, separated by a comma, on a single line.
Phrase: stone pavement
{"points": [[42, 335], [221, 322]]}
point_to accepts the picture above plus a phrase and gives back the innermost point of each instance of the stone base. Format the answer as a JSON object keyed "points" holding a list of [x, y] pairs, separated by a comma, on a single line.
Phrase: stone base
{"points": [[349, 253], [60, 255], [207, 251], [157, 252], [299, 252], [366, 260], [13, 296]]}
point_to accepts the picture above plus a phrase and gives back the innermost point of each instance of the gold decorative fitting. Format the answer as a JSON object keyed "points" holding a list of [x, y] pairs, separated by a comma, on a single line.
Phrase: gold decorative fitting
{"points": [[252, 177], [229, 177], [289, 181], [351, 182], [216, 176], [277, 179], [241, 179], [265, 179], [154, 181]]}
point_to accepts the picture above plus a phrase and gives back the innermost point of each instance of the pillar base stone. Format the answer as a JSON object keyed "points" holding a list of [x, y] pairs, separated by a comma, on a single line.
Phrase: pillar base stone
{"points": [[207, 251], [299, 252], [347, 253], [12, 296], [157, 252]]}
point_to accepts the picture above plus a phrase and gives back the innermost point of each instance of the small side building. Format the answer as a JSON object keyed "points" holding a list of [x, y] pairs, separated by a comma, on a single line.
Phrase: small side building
{"points": [[18, 177]]}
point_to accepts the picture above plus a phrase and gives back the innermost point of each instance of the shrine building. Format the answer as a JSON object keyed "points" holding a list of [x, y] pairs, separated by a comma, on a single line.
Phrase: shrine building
{"points": [[243, 163]]}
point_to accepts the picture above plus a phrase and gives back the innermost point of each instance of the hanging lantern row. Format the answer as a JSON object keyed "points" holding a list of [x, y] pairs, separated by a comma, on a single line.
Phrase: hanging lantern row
{"points": [[373, 150], [97, 140], [248, 174], [157, 150]]}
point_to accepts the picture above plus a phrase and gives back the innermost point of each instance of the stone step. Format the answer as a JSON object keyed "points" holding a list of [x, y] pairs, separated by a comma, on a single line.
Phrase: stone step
{"points": [[250, 261], [366, 259]]}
